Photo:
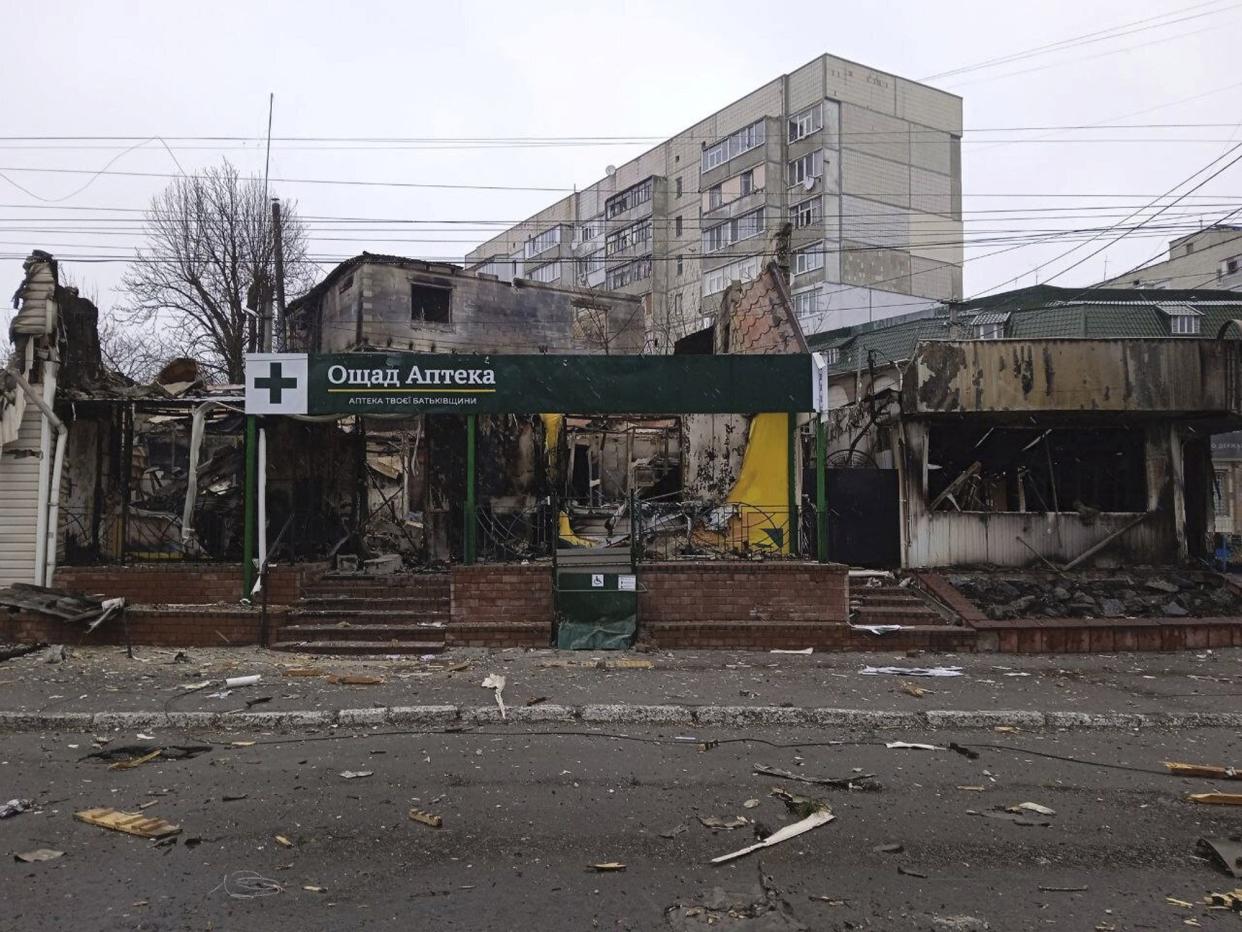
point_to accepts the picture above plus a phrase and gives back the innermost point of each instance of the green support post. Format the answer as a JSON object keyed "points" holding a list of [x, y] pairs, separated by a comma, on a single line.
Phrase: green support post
{"points": [[792, 521], [471, 522], [248, 504], [821, 492]]}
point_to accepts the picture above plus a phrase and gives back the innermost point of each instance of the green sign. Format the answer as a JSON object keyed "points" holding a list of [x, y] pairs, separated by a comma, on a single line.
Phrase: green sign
{"points": [[418, 383]]}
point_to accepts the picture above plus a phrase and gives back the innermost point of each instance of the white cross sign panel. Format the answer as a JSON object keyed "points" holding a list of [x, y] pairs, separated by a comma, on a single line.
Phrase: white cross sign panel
{"points": [[276, 383]]}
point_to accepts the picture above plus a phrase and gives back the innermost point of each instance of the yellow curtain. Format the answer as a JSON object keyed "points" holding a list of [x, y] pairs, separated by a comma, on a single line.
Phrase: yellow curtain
{"points": [[762, 487]]}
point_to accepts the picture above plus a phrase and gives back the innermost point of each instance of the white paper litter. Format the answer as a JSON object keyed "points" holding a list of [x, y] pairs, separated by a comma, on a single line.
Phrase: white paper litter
{"points": [[805, 650], [906, 746], [876, 629], [911, 671], [814, 820], [497, 682]]}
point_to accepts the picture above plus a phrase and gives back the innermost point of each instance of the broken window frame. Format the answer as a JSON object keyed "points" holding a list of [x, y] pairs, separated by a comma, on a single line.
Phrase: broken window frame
{"points": [[418, 314], [805, 122]]}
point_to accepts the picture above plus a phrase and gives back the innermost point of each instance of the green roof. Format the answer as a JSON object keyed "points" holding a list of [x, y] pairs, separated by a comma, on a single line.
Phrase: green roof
{"points": [[1043, 312]]}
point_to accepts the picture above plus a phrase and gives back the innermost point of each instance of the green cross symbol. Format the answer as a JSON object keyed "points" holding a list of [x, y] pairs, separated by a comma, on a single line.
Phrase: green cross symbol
{"points": [[275, 384]]}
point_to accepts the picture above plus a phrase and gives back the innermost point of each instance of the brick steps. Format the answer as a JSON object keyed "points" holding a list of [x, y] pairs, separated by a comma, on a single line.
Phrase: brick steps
{"points": [[386, 603], [363, 614], [359, 585], [1106, 635], [361, 648]]}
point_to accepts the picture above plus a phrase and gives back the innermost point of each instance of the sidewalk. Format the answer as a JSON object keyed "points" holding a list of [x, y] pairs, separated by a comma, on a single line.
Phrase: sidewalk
{"points": [[707, 687]]}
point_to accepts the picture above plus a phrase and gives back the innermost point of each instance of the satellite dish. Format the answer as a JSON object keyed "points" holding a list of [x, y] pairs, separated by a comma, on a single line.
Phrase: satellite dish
{"points": [[808, 182], [610, 170]]}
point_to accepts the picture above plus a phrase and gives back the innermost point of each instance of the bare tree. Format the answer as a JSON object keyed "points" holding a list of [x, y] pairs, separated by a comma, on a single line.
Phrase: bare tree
{"points": [[209, 256]]}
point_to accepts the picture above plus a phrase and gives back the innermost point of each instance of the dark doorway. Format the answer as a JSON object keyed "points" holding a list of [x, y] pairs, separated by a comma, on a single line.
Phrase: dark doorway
{"points": [[1197, 477], [863, 517]]}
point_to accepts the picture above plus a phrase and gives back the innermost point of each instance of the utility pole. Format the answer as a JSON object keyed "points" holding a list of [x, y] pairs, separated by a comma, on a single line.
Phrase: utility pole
{"points": [[278, 240]]}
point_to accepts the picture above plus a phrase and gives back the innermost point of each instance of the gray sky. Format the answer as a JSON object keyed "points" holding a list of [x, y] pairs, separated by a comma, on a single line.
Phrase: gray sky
{"points": [[625, 69]]}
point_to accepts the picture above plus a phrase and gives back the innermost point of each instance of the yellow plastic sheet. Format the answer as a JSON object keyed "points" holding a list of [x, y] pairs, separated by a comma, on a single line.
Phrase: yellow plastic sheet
{"points": [[762, 487], [566, 533]]}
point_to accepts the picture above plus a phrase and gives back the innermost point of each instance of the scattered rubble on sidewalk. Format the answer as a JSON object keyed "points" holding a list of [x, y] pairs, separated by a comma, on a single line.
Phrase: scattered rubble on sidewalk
{"points": [[911, 671], [71, 607], [14, 807], [856, 781], [715, 822]]}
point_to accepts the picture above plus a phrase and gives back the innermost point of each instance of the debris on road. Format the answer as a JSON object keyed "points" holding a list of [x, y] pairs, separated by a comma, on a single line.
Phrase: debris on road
{"points": [[241, 744], [607, 867], [354, 679], [131, 823], [907, 746], [496, 682], [918, 692], [911, 671], [910, 872], [1174, 901], [1203, 770], [805, 650], [13, 807], [236, 682], [301, 671], [311, 888], [426, 818], [247, 885], [357, 774], [1226, 851], [1008, 815], [233, 797], [1231, 900], [843, 783], [1045, 889], [39, 854], [537, 700], [715, 822], [1216, 799], [135, 761], [1032, 807], [675, 831], [821, 816], [283, 841], [876, 629], [70, 607], [889, 849]]}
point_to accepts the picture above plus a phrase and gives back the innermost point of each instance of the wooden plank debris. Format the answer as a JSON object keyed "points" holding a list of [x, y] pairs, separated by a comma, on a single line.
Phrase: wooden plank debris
{"points": [[131, 823]]}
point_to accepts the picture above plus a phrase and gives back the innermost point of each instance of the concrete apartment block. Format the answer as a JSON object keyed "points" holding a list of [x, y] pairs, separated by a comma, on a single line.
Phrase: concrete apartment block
{"points": [[856, 172]]}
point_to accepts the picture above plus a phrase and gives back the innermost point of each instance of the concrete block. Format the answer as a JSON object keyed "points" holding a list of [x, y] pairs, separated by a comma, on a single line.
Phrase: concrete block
{"points": [[863, 718], [619, 714], [363, 717], [740, 716], [124, 721], [424, 715], [559, 714], [1093, 720], [984, 718]]}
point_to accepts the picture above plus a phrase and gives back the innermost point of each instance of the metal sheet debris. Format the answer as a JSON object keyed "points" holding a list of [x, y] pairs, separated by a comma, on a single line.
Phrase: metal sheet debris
{"points": [[911, 671], [907, 746], [39, 854], [357, 774], [1226, 851], [13, 807], [853, 782], [716, 822]]}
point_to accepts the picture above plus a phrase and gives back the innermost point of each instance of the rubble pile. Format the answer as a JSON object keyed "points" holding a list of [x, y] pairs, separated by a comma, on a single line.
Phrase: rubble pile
{"points": [[1142, 592]]}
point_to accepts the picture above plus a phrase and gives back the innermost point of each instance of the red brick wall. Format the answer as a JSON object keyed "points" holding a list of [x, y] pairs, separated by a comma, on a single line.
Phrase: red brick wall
{"points": [[498, 593], [737, 591], [189, 626], [183, 583]]}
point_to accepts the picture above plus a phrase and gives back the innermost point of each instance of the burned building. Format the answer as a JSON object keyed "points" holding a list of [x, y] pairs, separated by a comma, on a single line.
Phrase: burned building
{"points": [[1042, 424]]}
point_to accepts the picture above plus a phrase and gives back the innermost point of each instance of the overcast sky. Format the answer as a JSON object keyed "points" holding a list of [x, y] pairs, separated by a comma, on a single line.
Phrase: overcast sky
{"points": [[635, 70]]}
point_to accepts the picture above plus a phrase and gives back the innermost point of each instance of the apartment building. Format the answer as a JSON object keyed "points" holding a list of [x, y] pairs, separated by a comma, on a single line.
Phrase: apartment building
{"points": [[1207, 258], [849, 175]]}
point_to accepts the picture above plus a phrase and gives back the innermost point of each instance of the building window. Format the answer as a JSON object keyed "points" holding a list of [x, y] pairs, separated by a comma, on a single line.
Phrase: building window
{"points": [[430, 304], [677, 187], [1184, 325], [809, 259], [742, 270], [680, 265], [345, 285], [990, 331], [592, 263], [733, 231], [628, 199], [634, 271], [832, 355], [806, 302], [544, 241], [589, 230], [730, 147], [801, 125], [810, 166], [590, 324], [677, 226], [805, 213], [549, 272], [637, 234], [715, 196], [1230, 266], [747, 182]]}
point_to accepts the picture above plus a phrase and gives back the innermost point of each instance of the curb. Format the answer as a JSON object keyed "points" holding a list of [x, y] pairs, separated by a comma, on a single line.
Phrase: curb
{"points": [[729, 717]]}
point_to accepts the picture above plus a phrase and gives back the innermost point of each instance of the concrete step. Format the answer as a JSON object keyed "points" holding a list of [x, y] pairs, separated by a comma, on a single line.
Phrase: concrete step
{"points": [[411, 603], [885, 598], [898, 615], [364, 615], [500, 634], [361, 648], [361, 632]]}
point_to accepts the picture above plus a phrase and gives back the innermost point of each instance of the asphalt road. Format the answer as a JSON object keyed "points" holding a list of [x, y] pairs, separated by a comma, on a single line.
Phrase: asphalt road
{"points": [[526, 813]]}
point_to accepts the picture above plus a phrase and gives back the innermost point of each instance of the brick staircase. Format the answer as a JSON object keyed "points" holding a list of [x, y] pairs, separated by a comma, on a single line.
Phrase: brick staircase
{"points": [[356, 614], [892, 605]]}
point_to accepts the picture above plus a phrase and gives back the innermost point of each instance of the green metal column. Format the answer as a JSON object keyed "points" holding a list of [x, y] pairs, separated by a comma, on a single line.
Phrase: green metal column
{"points": [[821, 492], [248, 504], [792, 522], [471, 522]]}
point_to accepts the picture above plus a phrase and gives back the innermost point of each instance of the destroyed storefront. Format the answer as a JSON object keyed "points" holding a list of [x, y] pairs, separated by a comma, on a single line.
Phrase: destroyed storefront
{"points": [[1013, 452]]}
